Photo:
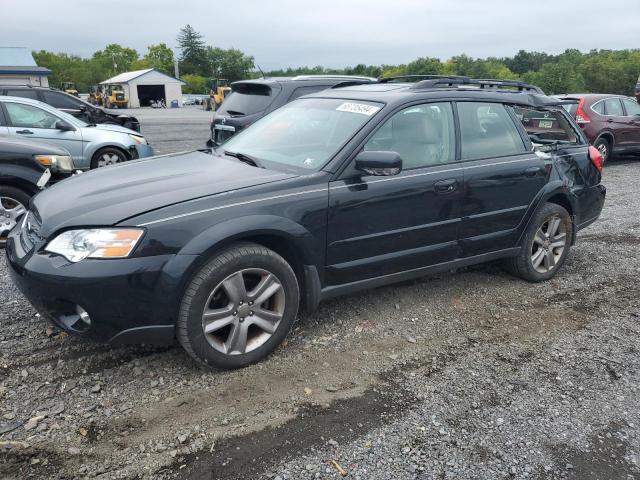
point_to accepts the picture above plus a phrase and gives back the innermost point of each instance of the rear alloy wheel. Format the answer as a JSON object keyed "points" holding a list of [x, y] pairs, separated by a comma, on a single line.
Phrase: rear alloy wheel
{"points": [[239, 307], [545, 245], [107, 156], [13, 205], [604, 147]]}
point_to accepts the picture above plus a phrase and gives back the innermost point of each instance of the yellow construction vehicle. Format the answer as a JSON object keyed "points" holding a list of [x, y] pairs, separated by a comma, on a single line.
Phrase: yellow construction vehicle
{"points": [[95, 95], [114, 96], [220, 89], [70, 88]]}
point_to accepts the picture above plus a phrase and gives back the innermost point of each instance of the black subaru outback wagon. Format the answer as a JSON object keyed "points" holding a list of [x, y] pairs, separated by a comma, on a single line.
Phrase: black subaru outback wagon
{"points": [[339, 191]]}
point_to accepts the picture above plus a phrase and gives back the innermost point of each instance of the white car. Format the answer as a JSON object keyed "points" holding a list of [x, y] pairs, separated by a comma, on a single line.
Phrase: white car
{"points": [[90, 145]]}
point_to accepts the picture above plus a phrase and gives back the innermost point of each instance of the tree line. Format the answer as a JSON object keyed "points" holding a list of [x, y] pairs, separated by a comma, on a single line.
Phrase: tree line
{"points": [[603, 71]]}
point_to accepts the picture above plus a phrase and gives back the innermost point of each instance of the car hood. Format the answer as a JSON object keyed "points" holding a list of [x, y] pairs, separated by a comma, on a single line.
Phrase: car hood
{"points": [[112, 194], [113, 128]]}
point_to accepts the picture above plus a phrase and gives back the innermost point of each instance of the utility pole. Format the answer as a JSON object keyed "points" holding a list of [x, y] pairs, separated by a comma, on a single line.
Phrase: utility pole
{"points": [[175, 67]]}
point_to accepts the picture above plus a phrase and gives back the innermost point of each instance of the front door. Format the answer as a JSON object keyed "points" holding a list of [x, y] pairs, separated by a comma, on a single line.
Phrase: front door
{"points": [[380, 225], [33, 122], [632, 114], [502, 178], [619, 124]]}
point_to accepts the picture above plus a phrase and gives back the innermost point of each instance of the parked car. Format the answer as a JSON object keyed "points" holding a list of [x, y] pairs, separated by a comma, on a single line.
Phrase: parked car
{"points": [[251, 100], [339, 191], [72, 105], [636, 90], [90, 145], [26, 167], [610, 122]]}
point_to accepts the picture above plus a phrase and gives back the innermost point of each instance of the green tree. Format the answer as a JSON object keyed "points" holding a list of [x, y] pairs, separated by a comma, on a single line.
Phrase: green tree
{"points": [[114, 59], [193, 52], [231, 64], [161, 58], [195, 84]]}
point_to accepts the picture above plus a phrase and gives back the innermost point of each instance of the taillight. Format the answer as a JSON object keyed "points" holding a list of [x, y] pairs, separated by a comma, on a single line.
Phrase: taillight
{"points": [[596, 158], [581, 116]]}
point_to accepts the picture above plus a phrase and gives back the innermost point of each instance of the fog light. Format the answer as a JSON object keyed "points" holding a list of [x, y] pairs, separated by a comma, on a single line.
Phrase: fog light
{"points": [[84, 315]]}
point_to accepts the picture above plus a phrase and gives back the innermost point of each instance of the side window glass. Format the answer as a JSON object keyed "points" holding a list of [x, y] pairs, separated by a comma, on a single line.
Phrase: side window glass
{"points": [[487, 130], [24, 93], [632, 107], [598, 108], [546, 126], [613, 107], [29, 116], [61, 100], [422, 135]]}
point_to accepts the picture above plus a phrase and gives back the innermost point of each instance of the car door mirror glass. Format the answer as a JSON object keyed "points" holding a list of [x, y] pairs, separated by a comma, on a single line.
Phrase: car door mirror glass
{"points": [[64, 126], [379, 163]]}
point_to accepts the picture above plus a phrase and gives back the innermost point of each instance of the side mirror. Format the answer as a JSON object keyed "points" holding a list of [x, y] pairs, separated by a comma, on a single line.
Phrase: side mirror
{"points": [[379, 163], [64, 126]]}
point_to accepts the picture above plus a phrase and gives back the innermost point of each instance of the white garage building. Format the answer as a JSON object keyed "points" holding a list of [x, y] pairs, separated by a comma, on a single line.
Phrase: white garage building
{"points": [[142, 86]]}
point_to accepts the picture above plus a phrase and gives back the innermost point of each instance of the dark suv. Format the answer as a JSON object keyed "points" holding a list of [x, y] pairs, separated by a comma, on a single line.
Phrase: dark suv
{"points": [[250, 100], [610, 122], [71, 104], [339, 191]]}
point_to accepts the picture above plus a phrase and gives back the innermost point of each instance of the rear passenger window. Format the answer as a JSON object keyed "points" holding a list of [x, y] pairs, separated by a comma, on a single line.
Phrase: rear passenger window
{"points": [[61, 100], [598, 108], [546, 126], [24, 93], [487, 131], [613, 107]]}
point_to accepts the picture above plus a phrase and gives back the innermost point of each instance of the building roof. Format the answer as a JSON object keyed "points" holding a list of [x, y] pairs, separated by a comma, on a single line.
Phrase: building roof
{"points": [[18, 60], [128, 76]]}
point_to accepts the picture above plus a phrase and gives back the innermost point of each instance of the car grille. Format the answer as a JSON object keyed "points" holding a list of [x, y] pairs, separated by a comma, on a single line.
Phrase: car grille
{"points": [[120, 96], [30, 231]]}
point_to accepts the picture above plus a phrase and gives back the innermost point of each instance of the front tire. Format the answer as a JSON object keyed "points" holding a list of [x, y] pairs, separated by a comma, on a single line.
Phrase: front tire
{"points": [[13, 205], [545, 245], [107, 156], [239, 307]]}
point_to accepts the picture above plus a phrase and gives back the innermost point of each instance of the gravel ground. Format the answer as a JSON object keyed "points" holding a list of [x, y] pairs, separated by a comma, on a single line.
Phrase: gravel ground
{"points": [[472, 375]]}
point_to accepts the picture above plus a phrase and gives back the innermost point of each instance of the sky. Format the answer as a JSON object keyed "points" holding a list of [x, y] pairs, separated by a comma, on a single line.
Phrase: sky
{"points": [[332, 33]]}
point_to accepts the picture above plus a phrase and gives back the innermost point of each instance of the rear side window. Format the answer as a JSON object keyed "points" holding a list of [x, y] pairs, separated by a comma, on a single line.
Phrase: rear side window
{"points": [[598, 107], [61, 100], [487, 131], [613, 107], [546, 126], [247, 99], [631, 106], [24, 93]]}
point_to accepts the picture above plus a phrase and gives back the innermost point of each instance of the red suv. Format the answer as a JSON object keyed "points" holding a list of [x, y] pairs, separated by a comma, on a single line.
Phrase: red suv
{"points": [[610, 122]]}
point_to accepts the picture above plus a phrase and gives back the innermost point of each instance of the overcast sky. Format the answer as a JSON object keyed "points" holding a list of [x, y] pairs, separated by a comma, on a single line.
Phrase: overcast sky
{"points": [[282, 33]]}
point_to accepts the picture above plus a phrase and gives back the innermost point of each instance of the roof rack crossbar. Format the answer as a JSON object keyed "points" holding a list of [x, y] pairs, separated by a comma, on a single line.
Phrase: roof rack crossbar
{"points": [[329, 76], [449, 82], [417, 78]]}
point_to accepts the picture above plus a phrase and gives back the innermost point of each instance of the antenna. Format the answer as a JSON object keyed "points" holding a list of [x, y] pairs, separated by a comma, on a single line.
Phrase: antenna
{"points": [[260, 70]]}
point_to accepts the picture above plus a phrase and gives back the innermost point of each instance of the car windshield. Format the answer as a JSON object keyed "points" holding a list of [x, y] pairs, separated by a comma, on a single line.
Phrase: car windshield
{"points": [[303, 134]]}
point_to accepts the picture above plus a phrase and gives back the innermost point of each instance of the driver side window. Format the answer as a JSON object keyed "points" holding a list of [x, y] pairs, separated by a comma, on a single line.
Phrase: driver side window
{"points": [[29, 116], [423, 135]]}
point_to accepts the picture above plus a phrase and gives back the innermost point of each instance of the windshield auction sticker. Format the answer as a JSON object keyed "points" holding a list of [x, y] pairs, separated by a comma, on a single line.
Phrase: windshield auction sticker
{"points": [[361, 108]]}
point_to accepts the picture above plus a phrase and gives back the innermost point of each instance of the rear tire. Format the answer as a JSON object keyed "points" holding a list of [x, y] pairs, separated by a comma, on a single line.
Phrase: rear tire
{"points": [[239, 307], [604, 147], [545, 245], [14, 203]]}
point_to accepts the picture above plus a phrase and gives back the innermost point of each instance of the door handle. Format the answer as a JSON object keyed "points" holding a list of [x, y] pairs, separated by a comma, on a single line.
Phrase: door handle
{"points": [[532, 171], [609, 120], [446, 186], [24, 132]]}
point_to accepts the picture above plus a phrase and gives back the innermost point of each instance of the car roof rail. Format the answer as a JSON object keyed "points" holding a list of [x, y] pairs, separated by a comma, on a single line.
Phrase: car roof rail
{"points": [[351, 83], [480, 83], [417, 78], [338, 77]]}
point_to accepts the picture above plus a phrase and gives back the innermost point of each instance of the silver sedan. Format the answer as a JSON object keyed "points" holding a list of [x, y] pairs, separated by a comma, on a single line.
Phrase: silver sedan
{"points": [[90, 145]]}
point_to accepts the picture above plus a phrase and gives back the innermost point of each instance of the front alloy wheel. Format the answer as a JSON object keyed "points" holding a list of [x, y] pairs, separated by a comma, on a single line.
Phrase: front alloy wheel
{"points": [[12, 207]]}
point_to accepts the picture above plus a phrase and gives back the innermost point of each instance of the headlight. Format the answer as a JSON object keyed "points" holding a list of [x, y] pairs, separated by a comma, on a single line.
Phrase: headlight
{"points": [[138, 139], [76, 245], [57, 163]]}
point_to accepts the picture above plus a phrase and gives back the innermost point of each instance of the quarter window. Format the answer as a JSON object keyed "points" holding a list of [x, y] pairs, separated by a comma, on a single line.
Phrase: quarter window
{"points": [[632, 107], [30, 117], [422, 135], [613, 107], [546, 126], [487, 130], [598, 107]]}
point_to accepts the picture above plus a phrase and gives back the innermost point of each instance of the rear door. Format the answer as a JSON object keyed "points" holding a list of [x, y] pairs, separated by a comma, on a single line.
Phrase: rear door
{"points": [[381, 225], [33, 122], [632, 114], [502, 177]]}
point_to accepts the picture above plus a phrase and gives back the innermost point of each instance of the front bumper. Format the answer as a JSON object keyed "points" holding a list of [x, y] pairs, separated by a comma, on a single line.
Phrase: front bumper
{"points": [[141, 151], [132, 300]]}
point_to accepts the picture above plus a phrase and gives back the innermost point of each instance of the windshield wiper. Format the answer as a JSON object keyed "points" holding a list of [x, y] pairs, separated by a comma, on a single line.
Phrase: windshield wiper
{"points": [[243, 157]]}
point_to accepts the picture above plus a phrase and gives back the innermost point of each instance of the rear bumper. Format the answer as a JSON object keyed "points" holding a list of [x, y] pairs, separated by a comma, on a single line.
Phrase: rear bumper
{"points": [[591, 201], [132, 300]]}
